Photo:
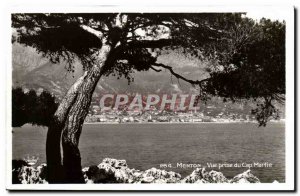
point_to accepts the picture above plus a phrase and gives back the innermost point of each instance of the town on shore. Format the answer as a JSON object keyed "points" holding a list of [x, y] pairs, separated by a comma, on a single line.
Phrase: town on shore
{"points": [[165, 116]]}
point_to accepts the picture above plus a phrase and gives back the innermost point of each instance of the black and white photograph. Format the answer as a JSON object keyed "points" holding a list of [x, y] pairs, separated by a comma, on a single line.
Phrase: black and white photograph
{"points": [[151, 99]]}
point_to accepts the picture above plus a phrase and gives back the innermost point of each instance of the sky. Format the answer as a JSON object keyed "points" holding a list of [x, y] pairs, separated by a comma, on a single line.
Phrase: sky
{"points": [[272, 15]]}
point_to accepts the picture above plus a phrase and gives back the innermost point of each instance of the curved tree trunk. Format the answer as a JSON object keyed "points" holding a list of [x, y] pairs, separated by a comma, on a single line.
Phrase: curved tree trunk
{"points": [[55, 172], [73, 127], [68, 122]]}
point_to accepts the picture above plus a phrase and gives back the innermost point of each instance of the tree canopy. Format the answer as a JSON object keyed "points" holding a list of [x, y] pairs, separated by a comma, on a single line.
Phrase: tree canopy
{"points": [[247, 58]]}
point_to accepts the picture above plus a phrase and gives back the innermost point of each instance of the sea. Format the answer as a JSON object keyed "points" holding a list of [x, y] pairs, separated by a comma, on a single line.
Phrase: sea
{"points": [[227, 147]]}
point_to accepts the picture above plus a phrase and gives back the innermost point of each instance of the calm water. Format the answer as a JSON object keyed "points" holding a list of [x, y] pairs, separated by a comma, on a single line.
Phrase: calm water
{"points": [[149, 145]]}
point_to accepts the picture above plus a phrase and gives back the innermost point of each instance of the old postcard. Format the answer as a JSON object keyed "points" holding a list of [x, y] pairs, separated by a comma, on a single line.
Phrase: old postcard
{"points": [[151, 98]]}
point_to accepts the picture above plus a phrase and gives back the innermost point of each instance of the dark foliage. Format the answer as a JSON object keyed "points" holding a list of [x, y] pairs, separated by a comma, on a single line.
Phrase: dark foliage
{"points": [[254, 69], [265, 111], [61, 37], [32, 108]]}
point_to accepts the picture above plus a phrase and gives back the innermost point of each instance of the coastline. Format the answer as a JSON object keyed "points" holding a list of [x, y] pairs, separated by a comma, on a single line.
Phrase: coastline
{"points": [[117, 171], [139, 123]]}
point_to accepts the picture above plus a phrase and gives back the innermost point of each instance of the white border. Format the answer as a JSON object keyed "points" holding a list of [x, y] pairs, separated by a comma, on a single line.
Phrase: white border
{"points": [[286, 11]]}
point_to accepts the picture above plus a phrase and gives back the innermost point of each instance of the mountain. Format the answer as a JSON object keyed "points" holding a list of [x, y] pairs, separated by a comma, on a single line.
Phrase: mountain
{"points": [[32, 71]]}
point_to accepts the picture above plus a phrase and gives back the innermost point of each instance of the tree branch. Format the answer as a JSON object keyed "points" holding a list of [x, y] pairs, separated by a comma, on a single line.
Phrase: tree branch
{"points": [[178, 76], [157, 70]]}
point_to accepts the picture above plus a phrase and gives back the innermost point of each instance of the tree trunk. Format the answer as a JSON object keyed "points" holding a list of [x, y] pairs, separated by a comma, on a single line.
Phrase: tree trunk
{"points": [[69, 117], [55, 172], [54, 166], [73, 127]]}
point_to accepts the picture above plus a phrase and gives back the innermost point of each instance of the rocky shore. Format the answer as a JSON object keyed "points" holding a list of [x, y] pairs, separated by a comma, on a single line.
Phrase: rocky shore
{"points": [[117, 171]]}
